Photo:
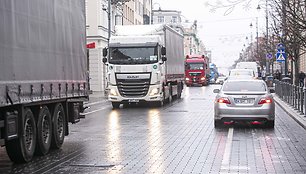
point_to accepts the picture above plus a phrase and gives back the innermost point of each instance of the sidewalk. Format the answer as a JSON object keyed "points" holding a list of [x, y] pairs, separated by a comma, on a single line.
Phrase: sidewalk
{"points": [[297, 116], [97, 96]]}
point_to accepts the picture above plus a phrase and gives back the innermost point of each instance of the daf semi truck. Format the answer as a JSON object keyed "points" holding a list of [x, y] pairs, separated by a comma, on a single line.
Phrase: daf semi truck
{"points": [[42, 74], [145, 64]]}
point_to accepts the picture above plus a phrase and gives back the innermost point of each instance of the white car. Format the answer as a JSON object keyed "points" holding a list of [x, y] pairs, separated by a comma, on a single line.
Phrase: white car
{"points": [[242, 73]]}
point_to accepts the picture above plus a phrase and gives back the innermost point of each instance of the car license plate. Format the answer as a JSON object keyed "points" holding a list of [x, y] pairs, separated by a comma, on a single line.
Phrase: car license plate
{"points": [[244, 101], [133, 100]]}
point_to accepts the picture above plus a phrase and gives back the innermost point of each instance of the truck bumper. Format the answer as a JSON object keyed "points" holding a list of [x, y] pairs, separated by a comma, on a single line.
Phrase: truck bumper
{"points": [[114, 95]]}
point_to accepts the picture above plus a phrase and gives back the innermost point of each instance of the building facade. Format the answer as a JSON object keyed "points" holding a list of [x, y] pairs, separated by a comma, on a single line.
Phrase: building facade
{"points": [[123, 12]]}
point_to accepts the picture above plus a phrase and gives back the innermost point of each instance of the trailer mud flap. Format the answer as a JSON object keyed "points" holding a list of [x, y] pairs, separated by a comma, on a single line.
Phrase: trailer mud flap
{"points": [[11, 128], [74, 112]]}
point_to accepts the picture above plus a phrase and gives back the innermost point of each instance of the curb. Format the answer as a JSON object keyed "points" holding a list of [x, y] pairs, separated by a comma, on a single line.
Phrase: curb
{"points": [[293, 113]]}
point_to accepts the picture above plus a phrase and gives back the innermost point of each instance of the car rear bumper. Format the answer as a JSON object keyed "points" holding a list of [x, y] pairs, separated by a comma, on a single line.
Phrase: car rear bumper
{"points": [[248, 113]]}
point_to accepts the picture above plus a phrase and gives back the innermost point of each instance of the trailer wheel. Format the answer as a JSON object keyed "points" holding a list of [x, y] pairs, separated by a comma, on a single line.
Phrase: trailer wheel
{"points": [[58, 126], [22, 149], [44, 131]]}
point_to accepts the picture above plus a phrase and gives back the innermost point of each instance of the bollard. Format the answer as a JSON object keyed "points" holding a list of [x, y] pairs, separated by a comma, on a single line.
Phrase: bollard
{"points": [[305, 101], [302, 100], [299, 99]]}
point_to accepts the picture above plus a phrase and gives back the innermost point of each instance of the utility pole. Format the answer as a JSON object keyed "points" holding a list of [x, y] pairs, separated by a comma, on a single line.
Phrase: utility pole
{"points": [[267, 40], [109, 11]]}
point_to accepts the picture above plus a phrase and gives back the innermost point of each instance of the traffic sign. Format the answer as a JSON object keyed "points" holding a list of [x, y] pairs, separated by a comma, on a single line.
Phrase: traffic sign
{"points": [[280, 56], [269, 56]]}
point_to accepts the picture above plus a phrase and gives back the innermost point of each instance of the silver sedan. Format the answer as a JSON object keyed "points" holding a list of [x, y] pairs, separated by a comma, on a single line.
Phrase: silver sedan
{"points": [[244, 101]]}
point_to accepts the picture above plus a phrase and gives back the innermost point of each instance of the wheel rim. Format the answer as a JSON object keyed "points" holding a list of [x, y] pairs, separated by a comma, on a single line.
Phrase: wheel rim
{"points": [[28, 134], [45, 129], [60, 124]]}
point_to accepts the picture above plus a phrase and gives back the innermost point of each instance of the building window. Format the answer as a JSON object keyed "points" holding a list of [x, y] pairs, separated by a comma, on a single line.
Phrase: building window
{"points": [[174, 19], [160, 19]]}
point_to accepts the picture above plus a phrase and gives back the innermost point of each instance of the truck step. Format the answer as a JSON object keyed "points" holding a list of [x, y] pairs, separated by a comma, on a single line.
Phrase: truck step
{"points": [[1, 123]]}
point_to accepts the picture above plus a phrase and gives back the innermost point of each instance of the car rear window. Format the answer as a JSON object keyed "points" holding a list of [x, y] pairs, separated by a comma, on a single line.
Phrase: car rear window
{"points": [[244, 86], [241, 73]]}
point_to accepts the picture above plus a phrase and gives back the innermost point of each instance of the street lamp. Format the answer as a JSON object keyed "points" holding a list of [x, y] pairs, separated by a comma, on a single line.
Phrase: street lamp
{"points": [[251, 26]]}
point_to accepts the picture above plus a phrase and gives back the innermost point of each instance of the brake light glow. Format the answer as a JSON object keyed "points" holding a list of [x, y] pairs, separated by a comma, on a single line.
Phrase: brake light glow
{"points": [[224, 100], [265, 100]]}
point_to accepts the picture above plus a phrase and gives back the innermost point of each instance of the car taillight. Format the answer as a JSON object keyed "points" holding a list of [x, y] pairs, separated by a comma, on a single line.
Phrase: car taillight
{"points": [[224, 100], [265, 100]]}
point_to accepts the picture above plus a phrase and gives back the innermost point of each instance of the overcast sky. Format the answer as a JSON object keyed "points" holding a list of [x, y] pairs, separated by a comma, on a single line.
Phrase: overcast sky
{"points": [[224, 34]]}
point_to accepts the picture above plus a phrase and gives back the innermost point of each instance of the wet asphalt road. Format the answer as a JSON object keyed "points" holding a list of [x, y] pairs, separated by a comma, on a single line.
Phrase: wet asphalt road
{"points": [[177, 138]]}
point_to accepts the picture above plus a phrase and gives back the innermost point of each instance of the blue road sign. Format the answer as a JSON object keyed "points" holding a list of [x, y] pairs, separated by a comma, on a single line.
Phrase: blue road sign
{"points": [[269, 56], [281, 56]]}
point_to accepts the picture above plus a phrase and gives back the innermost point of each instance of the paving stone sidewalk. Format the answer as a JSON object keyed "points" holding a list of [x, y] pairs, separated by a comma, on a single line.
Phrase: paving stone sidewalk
{"points": [[292, 112]]}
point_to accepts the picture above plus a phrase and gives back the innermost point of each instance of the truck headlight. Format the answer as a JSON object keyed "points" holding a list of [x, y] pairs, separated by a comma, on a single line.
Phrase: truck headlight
{"points": [[203, 78], [187, 78], [113, 92], [154, 91]]}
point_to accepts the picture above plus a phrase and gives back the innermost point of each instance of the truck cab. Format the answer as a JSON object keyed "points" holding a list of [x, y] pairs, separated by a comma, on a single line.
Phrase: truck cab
{"points": [[196, 70]]}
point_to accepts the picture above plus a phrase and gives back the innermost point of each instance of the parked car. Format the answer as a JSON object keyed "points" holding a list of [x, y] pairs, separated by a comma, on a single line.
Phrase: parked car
{"points": [[247, 101]]}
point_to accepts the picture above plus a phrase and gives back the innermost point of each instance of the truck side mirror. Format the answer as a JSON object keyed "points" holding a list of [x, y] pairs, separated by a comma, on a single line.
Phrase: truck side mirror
{"points": [[104, 60], [104, 52], [163, 51]]}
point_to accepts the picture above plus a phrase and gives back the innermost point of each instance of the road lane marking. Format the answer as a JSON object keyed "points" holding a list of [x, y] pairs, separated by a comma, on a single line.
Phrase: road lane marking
{"points": [[91, 112], [228, 149]]}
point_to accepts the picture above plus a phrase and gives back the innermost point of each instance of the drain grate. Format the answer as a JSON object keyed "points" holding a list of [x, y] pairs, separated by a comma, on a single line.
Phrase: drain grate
{"points": [[197, 99], [93, 165], [177, 111]]}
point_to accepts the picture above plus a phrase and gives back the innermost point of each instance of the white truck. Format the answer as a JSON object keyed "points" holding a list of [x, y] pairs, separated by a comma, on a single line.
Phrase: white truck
{"points": [[145, 64]]}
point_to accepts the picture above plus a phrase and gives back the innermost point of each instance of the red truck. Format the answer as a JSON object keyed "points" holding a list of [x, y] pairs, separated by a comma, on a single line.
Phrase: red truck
{"points": [[196, 70]]}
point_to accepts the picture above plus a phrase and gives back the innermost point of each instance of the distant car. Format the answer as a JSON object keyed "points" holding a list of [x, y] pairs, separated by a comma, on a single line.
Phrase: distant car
{"points": [[242, 73], [220, 79], [244, 101]]}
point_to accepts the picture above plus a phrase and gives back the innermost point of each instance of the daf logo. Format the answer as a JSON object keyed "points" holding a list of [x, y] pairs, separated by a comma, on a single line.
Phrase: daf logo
{"points": [[133, 77]]}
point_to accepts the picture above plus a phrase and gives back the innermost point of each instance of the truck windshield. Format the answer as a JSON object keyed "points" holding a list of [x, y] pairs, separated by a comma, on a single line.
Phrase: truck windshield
{"points": [[139, 55], [194, 66]]}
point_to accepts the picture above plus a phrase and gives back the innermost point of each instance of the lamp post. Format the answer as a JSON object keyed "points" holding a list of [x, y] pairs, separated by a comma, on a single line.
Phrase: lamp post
{"points": [[267, 40], [251, 26], [109, 23], [257, 53]]}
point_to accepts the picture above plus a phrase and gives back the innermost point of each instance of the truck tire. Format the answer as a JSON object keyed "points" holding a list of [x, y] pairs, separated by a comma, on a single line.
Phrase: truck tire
{"points": [[44, 131], [58, 126], [115, 105], [22, 149], [179, 90], [170, 94]]}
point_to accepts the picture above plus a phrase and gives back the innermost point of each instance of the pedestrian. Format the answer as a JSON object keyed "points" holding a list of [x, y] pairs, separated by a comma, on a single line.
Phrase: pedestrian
{"points": [[263, 75], [301, 78], [277, 75]]}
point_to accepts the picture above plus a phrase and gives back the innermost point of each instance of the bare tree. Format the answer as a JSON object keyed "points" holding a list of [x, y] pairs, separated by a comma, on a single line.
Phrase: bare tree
{"points": [[289, 25]]}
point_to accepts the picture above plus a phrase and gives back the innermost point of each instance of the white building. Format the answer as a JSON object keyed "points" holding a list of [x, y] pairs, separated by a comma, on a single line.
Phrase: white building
{"points": [[123, 12]]}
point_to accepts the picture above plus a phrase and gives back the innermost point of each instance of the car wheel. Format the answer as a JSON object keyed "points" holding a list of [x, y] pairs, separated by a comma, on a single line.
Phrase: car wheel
{"points": [[270, 124], [218, 124]]}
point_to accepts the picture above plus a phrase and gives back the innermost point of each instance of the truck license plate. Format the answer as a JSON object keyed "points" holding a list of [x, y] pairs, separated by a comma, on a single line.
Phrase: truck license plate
{"points": [[133, 100]]}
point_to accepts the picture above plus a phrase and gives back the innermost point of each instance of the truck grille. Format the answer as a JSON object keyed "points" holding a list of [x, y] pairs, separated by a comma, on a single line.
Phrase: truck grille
{"points": [[133, 87]]}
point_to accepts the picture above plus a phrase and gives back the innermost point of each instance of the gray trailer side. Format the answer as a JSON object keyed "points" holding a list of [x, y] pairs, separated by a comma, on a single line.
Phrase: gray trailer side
{"points": [[174, 43], [43, 79]]}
